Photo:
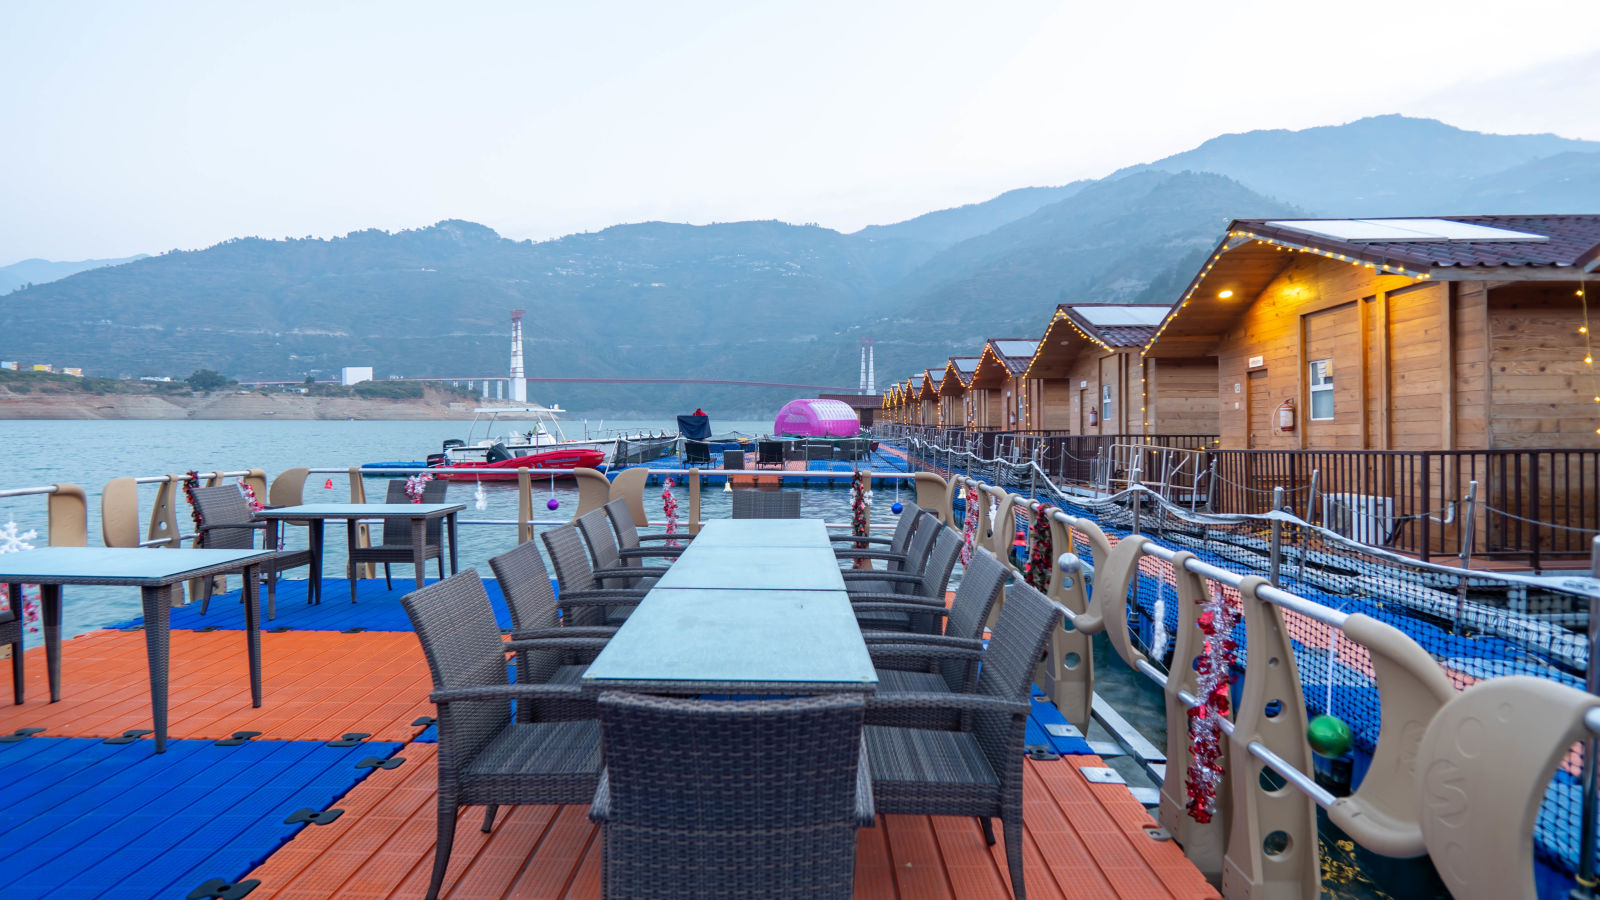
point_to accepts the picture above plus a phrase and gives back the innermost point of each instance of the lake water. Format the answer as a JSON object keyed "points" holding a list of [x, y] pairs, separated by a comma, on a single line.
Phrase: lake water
{"points": [[91, 453]]}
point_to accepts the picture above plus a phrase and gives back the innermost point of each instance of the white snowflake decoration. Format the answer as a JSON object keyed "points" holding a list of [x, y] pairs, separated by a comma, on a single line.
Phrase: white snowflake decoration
{"points": [[14, 541]]}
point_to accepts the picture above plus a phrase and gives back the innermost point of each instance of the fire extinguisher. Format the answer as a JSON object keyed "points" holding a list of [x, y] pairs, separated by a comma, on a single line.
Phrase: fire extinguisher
{"points": [[1094, 416], [1286, 415]]}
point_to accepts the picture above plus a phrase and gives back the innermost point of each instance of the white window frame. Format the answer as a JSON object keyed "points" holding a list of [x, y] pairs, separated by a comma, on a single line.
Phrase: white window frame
{"points": [[1319, 369], [1106, 406]]}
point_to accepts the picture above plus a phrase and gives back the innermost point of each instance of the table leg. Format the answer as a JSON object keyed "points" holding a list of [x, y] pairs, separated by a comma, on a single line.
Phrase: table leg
{"points": [[314, 539], [158, 647], [50, 600], [450, 526], [272, 544], [419, 538], [252, 627], [352, 569]]}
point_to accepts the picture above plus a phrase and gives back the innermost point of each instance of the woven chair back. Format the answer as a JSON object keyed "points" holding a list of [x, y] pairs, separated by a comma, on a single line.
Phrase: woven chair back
{"points": [[759, 504], [941, 561], [461, 640], [525, 582], [225, 505], [761, 795], [569, 558], [596, 528], [397, 532], [621, 516]]}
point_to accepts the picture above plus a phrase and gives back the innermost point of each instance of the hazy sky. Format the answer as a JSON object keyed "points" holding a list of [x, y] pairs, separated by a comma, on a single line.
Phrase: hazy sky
{"points": [[140, 127]]}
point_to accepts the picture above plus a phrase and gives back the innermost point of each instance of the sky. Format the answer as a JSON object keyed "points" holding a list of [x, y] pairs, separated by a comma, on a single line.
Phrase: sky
{"points": [[137, 128]]}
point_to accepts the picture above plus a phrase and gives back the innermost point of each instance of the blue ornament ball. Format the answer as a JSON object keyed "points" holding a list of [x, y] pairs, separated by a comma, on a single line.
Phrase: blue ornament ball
{"points": [[897, 507], [552, 503]]}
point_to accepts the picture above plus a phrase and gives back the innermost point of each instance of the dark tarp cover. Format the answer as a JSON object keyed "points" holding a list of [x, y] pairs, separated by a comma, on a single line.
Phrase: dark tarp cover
{"points": [[695, 428]]}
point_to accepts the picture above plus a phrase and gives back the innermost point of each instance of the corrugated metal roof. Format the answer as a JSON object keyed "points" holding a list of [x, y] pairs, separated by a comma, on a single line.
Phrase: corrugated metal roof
{"points": [[1563, 240], [1014, 349]]}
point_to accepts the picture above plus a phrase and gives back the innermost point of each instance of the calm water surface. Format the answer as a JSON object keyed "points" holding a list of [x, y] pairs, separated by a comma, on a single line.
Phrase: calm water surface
{"points": [[91, 453]]}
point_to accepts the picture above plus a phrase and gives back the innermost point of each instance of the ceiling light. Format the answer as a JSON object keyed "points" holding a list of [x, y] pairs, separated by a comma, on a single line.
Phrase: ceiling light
{"points": [[1225, 294]]}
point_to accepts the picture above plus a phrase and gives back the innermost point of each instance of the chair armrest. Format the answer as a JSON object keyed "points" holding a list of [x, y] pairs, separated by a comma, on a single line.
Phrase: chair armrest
{"points": [[955, 702], [866, 814], [600, 807], [680, 536], [491, 692], [852, 538], [851, 553], [643, 552], [912, 602], [218, 527], [569, 631], [901, 637], [880, 575], [601, 597], [563, 643], [629, 572], [924, 651]]}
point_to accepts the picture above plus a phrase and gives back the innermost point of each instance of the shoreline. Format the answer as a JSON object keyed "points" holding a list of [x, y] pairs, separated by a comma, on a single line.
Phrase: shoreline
{"points": [[228, 405]]}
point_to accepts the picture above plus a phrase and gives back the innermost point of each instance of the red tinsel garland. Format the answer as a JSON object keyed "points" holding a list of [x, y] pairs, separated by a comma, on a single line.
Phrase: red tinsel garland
{"points": [[858, 508], [190, 482], [1214, 666], [1037, 569], [669, 508]]}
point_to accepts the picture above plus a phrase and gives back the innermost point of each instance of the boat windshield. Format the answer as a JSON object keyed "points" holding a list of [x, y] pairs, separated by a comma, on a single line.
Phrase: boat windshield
{"points": [[515, 425]]}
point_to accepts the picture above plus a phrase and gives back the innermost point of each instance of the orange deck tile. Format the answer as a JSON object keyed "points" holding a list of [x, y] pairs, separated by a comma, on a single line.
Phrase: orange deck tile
{"points": [[1080, 842], [315, 686]]}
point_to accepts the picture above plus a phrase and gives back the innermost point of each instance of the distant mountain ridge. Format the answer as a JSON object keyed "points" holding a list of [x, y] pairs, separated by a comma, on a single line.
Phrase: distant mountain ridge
{"points": [[43, 271], [759, 300]]}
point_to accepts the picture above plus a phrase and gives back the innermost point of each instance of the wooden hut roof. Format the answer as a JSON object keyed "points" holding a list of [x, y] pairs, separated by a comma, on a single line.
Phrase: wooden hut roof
{"points": [[930, 383], [957, 375], [1255, 251], [1080, 327], [1002, 358]]}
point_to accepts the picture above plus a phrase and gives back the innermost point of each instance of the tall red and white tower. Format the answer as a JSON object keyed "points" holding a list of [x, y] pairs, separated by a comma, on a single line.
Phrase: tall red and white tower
{"points": [[519, 379]]}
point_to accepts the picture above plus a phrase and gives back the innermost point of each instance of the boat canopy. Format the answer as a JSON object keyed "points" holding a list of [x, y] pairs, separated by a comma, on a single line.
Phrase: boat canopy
{"points": [[817, 418]]}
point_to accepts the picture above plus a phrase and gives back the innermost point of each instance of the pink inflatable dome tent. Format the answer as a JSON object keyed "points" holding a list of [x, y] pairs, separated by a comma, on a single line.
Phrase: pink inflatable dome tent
{"points": [[816, 418]]}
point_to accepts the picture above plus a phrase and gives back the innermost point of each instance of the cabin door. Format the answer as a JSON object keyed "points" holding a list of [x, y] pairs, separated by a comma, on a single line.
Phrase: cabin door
{"points": [[1259, 400], [1083, 410]]}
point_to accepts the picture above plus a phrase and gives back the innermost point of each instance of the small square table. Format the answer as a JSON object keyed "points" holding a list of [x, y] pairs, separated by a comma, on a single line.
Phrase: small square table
{"points": [[718, 641], [154, 572], [317, 513]]}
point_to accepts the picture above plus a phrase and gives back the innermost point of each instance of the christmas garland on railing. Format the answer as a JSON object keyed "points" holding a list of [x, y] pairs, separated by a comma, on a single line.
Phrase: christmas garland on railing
{"points": [[969, 525], [858, 508], [1040, 551], [669, 508], [190, 482], [1214, 666], [416, 484], [25, 607]]}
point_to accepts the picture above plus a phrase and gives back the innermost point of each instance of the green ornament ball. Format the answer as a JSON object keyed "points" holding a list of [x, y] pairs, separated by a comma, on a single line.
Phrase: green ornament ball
{"points": [[1329, 736]]}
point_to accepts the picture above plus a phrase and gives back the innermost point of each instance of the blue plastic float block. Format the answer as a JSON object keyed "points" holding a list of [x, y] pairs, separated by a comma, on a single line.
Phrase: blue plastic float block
{"points": [[376, 609], [85, 818], [1045, 713]]}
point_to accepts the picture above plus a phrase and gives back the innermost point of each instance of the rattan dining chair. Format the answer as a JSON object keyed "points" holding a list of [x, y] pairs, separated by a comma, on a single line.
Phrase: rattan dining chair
{"points": [[890, 549], [577, 581], [901, 575], [753, 799], [485, 758], [762, 504], [395, 544], [920, 771], [535, 616], [629, 538], [227, 524], [11, 636], [595, 526]]}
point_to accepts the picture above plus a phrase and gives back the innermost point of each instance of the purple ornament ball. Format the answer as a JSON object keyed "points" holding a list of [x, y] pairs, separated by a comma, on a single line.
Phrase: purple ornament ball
{"points": [[552, 503], [897, 507]]}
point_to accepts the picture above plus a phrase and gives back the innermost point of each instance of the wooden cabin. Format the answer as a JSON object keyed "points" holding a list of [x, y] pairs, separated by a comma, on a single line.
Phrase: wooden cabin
{"points": [[1426, 334], [997, 391], [1463, 334], [953, 391], [912, 392], [1088, 377], [928, 394]]}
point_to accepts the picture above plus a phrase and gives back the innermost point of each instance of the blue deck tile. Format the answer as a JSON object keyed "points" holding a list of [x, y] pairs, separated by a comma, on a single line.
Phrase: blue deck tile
{"points": [[94, 819], [1044, 714]]}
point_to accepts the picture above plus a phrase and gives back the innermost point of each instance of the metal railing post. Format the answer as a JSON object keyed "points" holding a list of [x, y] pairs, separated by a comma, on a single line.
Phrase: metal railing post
{"points": [[1591, 772], [1275, 547], [1138, 497], [1467, 518]]}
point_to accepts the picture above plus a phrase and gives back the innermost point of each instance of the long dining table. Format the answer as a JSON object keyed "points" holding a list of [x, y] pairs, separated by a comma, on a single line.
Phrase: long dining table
{"points": [[752, 606]]}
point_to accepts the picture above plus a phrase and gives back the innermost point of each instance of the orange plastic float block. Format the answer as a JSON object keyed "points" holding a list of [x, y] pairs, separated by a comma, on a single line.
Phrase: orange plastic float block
{"points": [[1080, 841], [316, 686]]}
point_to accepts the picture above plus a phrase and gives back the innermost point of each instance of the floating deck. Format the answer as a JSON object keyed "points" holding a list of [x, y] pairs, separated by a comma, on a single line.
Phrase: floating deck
{"points": [[251, 794]]}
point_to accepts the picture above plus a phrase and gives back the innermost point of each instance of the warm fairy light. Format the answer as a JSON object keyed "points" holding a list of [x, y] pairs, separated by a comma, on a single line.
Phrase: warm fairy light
{"points": [[1225, 294]]}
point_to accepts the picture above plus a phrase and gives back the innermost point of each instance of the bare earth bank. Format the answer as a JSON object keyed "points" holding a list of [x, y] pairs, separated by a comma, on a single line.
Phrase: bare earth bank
{"points": [[227, 405]]}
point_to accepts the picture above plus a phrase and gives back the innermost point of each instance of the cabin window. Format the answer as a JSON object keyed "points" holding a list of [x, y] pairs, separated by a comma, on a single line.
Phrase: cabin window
{"points": [[1321, 389], [1105, 403]]}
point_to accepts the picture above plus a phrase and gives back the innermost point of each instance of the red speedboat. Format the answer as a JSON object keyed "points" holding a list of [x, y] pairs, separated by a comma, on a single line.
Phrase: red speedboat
{"points": [[499, 464]]}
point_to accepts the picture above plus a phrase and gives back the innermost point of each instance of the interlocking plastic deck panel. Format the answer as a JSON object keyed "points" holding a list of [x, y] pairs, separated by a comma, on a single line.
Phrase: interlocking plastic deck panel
{"points": [[375, 609], [86, 818], [1082, 841], [315, 686]]}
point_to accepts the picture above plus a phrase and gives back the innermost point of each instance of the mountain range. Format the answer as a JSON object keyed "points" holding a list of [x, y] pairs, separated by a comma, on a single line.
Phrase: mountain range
{"points": [[760, 301]]}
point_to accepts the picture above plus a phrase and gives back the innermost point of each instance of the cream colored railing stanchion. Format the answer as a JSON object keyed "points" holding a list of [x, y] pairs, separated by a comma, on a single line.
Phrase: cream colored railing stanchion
{"points": [[119, 513], [934, 494], [1485, 761], [524, 505], [1066, 674], [593, 490], [163, 512], [694, 501], [257, 480], [68, 511], [1272, 843], [629, 485], [358, 494], [1384, 814]]}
